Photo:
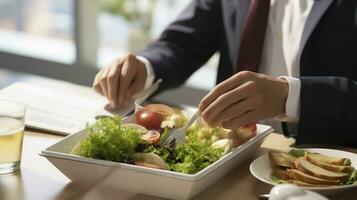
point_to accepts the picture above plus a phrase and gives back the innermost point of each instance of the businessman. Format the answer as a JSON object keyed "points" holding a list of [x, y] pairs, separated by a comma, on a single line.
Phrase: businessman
{"points": [[295, 61]]}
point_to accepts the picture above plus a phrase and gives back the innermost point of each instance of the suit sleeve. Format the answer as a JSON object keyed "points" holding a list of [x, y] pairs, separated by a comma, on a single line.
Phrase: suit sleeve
{"points": [[328, 111], [187, 43]]}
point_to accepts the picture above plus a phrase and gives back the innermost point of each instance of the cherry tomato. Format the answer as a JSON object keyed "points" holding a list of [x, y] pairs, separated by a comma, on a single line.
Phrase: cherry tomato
{"points": [[149, 119], [252, 127], [248, 131], [151, 137]]}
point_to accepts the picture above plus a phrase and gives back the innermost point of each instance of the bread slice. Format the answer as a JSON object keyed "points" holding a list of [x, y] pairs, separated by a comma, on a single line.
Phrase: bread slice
{"points": [[282, 174], [281, 159], [326, 159], [330, 167], [305, 166], [304, 184], [301, 176]]}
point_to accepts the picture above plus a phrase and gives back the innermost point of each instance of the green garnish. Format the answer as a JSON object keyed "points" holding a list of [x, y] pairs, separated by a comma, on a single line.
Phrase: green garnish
{"points": [[347, 162], [277, 180], [297, 153], [352, 179]]}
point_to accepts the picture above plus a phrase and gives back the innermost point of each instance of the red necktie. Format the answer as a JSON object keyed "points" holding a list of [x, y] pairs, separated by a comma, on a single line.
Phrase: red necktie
{"points": [[253, 35]]}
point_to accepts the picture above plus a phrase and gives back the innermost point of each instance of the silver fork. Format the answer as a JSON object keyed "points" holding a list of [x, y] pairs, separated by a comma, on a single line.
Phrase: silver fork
{"points": [[177, 134]]}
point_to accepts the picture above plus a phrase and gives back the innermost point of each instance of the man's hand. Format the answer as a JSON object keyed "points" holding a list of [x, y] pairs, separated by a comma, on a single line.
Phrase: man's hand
{"points": [[243, 98], [121, 79]]}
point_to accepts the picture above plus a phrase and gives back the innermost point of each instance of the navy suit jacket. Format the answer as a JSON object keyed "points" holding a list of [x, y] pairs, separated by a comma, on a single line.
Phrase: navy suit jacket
{"points": [[328, 60]]}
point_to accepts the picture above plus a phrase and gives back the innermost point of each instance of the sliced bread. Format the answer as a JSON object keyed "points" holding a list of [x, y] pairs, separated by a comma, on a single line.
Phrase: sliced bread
{"points": [[307, 167], [282, 174], [301, 176], [281, 159], [327, 159], [330, 167]]}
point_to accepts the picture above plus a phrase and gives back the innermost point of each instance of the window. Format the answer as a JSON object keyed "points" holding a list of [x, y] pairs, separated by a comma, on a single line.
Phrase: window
{"points": [[38, 28]]}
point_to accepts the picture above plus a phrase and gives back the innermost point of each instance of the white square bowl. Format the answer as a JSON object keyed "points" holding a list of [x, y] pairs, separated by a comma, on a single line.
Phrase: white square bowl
{"points": [[155, 182]]}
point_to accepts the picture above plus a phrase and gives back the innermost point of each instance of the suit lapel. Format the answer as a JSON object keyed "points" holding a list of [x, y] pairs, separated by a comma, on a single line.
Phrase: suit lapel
{"points": [[317, 10]]}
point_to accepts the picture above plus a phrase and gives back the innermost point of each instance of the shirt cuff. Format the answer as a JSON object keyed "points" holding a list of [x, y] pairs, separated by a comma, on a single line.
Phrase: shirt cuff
{"points": [[150, 75], [292, 105]]}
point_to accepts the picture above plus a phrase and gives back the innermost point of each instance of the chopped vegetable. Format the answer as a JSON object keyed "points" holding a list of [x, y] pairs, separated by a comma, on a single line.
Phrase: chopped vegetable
{"points": [[151, 137], [149, 160], [225, 144], [206, 134], [177, 120]]}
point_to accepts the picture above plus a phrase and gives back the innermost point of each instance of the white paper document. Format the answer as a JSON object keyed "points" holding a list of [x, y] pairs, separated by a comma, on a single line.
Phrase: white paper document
{"points": [[64, 110]]}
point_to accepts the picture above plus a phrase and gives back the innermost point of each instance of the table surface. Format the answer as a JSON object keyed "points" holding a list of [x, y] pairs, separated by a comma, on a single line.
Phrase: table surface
{"points": [[38, 179]]}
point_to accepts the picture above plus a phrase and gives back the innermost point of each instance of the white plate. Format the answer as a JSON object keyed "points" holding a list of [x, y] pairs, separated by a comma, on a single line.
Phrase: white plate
{"points": [[261, 169]]}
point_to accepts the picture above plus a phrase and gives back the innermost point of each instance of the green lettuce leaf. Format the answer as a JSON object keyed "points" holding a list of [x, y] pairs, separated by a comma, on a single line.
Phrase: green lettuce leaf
{"points": [[189, 157], [297, 153], [352, 179], [277, 180], [108, 140]]}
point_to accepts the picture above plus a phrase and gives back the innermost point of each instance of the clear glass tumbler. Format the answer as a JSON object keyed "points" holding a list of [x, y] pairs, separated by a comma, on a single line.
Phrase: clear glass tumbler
{"points": [[12, 126]]}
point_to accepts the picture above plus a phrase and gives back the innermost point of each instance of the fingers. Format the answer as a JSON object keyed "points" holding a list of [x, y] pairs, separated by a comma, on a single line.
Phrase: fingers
{"points": [[121, 79], [103, 81], [127, 76], [243, 98], [242, 120], [107, 80], [96, 85], [224, 87], [137, 84], [225, 101], [112, 82], [237, 110], [134, 88]]}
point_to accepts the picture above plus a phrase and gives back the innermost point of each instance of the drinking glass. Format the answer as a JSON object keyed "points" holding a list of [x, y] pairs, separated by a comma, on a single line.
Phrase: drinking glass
{"points": [[12, 116]]}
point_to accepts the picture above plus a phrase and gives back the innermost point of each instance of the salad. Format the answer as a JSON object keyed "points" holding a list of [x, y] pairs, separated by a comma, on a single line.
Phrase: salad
{"points": [[137, 143]]}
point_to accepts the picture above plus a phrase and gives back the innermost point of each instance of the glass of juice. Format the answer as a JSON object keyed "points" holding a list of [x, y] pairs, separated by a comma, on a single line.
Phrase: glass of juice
{"points": [[12, 116]]}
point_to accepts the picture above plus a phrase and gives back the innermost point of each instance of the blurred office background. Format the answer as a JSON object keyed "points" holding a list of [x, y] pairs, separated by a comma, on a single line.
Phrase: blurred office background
{"points": [[71, 39]]}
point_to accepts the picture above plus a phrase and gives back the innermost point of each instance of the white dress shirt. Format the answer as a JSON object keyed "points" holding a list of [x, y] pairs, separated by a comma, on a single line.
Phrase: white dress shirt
{"points": [[281, 45], [286, 22]]}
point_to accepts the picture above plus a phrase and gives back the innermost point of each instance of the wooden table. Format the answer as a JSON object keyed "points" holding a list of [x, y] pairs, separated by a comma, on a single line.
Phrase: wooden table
{"points": [[38, 179]]}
